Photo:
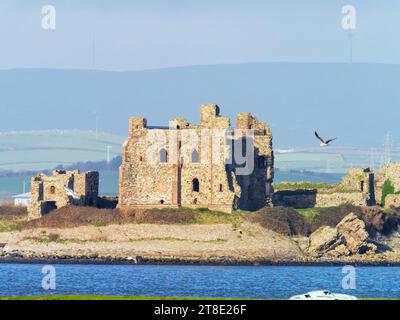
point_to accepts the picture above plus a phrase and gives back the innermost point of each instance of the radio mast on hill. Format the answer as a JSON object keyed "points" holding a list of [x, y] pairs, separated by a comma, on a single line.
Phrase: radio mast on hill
{"points": [[108, 154], [349, 23], [387, 146], [94, 51]]}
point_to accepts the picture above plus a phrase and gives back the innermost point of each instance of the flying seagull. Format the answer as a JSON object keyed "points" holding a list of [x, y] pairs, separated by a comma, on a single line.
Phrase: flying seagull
{"points": [[323, 142]]}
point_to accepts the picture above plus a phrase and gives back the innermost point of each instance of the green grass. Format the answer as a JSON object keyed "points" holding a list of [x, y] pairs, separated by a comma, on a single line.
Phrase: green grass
{"points": [[309, 214], [139, 298], [305, 185], [98, 297], [206, 216], [214, 217], [10, 225]]}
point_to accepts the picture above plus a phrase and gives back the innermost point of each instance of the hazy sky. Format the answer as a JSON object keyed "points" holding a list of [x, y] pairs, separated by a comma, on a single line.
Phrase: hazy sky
{"points": [[133, 35]]}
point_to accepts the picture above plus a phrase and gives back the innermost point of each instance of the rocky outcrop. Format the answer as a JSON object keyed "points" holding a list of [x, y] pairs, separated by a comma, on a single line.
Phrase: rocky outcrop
{"points": [[348, 238]]}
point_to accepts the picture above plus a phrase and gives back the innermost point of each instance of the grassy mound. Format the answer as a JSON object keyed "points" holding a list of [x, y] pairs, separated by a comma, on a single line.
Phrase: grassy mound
{"points": [[286, 221], [69, 217], [11, 217], [377, 222]]}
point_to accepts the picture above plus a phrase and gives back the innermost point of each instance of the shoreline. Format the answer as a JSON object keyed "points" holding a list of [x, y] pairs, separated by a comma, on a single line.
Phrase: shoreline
{"points": [[141, 261]]}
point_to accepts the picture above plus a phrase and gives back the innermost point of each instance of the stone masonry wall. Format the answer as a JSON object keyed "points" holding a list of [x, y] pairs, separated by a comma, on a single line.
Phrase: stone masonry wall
{"points": [[302, 199], [60, 189], [188, 165], [392, 201], [389, 172]]}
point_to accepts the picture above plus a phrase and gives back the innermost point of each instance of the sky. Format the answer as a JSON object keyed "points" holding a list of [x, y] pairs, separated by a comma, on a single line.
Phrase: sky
{"points": [[127, 35]]}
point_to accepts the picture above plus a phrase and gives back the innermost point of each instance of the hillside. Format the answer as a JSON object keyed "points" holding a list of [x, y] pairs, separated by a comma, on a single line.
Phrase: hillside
{"points": [[46, 149], [355, 102]]}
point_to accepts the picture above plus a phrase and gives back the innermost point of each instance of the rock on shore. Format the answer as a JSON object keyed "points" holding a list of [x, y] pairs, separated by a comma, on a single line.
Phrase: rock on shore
{"points": [[349, 237]]}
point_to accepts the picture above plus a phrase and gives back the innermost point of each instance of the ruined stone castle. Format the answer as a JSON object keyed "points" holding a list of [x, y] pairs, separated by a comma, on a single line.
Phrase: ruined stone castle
{"points": [[62, 188], [209, 165]]}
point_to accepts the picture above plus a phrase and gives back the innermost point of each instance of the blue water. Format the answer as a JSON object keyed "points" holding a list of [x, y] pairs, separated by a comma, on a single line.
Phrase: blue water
{"points": [[238, 282]]}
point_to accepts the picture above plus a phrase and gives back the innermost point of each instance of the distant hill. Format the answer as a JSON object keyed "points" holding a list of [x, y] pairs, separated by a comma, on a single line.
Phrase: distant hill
{"points": [[359, 102], [41, 150]]}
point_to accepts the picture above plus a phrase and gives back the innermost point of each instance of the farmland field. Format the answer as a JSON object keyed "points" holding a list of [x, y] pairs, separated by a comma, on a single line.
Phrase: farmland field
{"points": [[333, 160], [41, 150], [44, 150]]}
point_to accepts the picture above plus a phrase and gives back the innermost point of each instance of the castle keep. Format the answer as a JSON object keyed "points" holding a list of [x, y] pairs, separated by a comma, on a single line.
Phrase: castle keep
{"points": [[209, 165], [60, 189]]}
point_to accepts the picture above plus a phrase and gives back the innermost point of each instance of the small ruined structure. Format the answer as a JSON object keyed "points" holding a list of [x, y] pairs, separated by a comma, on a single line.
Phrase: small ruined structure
{"points": [[360, 181], [209, 165], [60, 189], [356, 188]]}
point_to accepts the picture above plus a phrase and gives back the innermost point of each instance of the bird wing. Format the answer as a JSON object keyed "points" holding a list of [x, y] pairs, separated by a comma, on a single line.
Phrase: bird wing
{"points": [[319, 138], [329, 141]]}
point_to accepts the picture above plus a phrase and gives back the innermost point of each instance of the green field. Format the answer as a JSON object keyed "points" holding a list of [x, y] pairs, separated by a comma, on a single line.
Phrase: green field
{"points": [[96, 297], [332, 159], [41, 150], [44, 150]]}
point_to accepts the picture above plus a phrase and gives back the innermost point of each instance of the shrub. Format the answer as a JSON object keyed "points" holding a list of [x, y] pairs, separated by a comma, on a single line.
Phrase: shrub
{"points": [[54, 237], [72, 216], [387, 189], [12, 211], [286, 221], [376, 221], [331, 216]]}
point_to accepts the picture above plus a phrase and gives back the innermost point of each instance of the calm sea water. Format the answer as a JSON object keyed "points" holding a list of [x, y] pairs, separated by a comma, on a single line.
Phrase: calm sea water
{"points": [[109, 181], [186, 281]]}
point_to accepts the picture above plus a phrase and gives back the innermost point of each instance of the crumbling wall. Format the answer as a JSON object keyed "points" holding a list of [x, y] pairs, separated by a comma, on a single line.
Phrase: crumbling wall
{"points": [[302, 199], [60, 189], [256, 187], [392, 201], [195, 172], [356, 188], [389, 172]]}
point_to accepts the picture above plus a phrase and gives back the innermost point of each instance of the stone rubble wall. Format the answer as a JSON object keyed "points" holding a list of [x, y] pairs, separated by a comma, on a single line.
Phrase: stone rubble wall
{"points": [[389, 172], [392, 201], [145, 181], [49, 192], [302, 199]]}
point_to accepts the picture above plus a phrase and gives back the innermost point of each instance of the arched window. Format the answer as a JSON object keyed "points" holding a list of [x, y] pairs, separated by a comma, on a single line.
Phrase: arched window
{"points": [[163, 156], [195, 156], [220, 187], [195, 185], [52, 190]]}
